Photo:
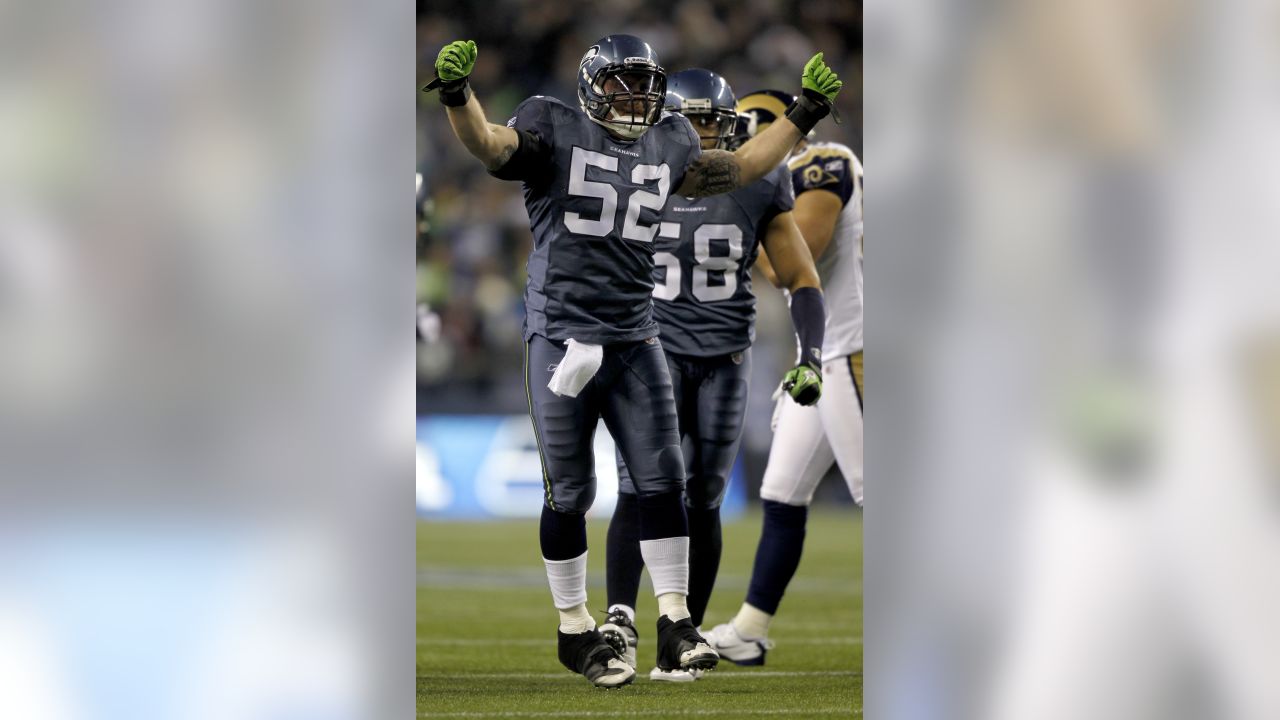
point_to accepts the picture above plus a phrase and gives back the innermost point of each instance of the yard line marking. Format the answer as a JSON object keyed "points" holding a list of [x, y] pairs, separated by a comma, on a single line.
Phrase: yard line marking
{"points": [[566, 675], [536, 642], [641, 713], [454, 578]]}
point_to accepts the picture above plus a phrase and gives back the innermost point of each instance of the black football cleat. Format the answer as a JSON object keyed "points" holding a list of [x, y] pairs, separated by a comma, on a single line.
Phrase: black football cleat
{"points": [[680, 647], [589, 655], [620, 632]]}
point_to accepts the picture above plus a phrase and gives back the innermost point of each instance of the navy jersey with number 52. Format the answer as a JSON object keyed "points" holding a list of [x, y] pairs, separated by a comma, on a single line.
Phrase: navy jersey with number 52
{"points": [[594, 206], [706, 247]]}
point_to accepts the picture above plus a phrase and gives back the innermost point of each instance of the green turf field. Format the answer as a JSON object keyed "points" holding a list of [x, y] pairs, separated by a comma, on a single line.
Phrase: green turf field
{"points": [[486, 630]]}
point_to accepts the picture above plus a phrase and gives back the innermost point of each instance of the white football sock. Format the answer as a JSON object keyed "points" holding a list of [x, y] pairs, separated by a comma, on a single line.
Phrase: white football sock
{"points": [[752, 623], [668, 563], [576, 620], [673, 606], [568, 580], [627, 610]]}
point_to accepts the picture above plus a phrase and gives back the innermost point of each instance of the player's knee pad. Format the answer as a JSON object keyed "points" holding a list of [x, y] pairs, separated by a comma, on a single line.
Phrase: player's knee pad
{"points": [[571, 496], [705, 492], [671, 465], [664, 474]]}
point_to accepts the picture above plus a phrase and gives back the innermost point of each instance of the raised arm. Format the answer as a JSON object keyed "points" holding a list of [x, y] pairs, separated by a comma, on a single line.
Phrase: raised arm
{"points": [[720, 171], [491, 144]]}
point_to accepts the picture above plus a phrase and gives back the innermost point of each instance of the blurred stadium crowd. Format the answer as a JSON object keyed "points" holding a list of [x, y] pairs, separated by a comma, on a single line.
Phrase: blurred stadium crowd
{"points": [[473, 232]]}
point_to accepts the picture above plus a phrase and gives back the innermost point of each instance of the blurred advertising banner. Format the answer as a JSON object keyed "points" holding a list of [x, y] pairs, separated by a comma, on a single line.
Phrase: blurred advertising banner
{"points": [[475, 467]]}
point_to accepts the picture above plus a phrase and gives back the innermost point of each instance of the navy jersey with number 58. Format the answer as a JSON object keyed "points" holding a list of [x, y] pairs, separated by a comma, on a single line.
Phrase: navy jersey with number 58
{"points": [[594, 206], [706, 247]]}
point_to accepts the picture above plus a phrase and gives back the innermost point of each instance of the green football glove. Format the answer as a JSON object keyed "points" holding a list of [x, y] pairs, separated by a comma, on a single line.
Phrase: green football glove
{"points": [[456, 60], [819, 87], [804, 384], [820, 79]]}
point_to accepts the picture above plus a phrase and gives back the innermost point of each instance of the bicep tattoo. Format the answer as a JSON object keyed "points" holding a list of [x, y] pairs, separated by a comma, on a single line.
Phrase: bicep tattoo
{"points": [[716, 172], [503, 156]]}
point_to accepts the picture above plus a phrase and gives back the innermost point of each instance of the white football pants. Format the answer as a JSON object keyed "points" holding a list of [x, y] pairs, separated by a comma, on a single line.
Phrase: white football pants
{"points": [[808, 439]]}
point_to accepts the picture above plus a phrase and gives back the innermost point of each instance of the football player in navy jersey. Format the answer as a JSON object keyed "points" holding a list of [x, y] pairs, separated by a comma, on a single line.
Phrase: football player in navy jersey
{"points": [[596, 178], [706, 317]]}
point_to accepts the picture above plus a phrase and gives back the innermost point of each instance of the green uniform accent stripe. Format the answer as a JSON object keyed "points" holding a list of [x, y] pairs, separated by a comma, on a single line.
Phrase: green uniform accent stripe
{"points": [[537, 437]]}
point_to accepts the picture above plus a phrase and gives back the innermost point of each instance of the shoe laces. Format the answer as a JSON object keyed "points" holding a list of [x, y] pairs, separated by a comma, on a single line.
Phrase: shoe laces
{"points": [[618, 618]]}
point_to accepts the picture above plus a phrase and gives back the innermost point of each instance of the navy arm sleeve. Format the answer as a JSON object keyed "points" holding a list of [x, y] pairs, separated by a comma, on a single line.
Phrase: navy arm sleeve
{"points": [[809, 315]]}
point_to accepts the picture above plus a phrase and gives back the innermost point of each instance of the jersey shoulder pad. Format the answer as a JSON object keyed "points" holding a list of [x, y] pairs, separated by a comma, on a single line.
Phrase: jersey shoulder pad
{"points": [[825, 166], [675, 128], [679, 127], [538, 112]]}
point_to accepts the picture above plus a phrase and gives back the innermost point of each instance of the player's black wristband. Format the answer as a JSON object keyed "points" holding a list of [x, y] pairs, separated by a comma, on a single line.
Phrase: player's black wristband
{"points": [[809, 108], [809, 315], [456, 93]]}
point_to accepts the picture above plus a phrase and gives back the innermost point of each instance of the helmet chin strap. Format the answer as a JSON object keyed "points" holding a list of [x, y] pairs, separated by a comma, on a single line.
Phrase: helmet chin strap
{"points": [[624, 129], [615, 116], [630, 132]]}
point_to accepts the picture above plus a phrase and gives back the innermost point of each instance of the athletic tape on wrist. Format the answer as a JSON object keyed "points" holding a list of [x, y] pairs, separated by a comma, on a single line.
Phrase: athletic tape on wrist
{"points": [[806, 112], [456, 93]]}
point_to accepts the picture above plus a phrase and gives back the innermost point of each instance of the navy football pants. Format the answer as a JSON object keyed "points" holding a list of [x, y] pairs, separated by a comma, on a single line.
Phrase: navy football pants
{"points": [[632, 392], [711, 402]]}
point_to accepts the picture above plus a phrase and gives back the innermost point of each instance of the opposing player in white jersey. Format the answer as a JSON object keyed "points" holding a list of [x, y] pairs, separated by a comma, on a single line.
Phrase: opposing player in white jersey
{"points": [[827, 178]]}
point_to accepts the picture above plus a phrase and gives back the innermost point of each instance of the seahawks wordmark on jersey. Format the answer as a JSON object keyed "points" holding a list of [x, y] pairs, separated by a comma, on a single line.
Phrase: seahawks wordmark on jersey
{"points": [[832, 167], [705, 250], [595, 204]]}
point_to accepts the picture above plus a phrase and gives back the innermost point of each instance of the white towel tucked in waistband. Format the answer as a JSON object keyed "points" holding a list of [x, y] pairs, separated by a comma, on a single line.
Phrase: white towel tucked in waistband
{"points": [[580, 364]]}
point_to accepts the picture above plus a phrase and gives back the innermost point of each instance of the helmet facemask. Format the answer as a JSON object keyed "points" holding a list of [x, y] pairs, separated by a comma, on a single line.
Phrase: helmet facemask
{"points": [[629, 98], [744, 129], [724, 121]]}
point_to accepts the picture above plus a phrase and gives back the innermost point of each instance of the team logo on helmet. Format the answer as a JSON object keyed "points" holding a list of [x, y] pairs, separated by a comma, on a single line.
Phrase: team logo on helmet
{"points": [[591, 52]]}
